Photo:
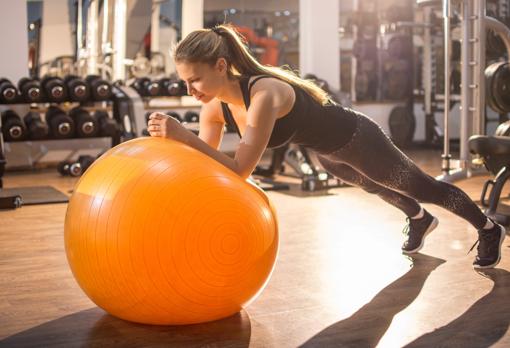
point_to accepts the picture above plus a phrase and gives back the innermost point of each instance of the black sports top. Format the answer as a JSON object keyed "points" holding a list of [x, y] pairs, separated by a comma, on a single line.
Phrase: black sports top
{"points": [[322, 128]]}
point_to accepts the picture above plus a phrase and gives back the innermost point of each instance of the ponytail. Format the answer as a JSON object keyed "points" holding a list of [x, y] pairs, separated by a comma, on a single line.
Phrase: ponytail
{"points": [[223, 41]]}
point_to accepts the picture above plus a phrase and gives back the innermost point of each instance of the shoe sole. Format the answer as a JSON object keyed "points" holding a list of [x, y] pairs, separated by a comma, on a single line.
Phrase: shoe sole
{"points": [[501, 239], [431, 228]]}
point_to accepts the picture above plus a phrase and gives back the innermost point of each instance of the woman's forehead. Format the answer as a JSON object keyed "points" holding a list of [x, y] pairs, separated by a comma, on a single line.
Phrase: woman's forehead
{"points": [[187, 69]]}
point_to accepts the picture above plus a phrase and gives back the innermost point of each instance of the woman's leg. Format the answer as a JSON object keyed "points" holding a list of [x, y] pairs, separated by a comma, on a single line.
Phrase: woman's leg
{"points": [[372, 153], [346, 173], [420, 222]]}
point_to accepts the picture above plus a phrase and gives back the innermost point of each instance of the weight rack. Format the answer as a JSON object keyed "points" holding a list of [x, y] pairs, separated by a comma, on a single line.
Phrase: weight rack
{"points": [[35, 150]]}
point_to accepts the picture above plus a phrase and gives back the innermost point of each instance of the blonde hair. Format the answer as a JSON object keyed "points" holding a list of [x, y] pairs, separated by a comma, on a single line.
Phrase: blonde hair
{"points": [[223, 41]]}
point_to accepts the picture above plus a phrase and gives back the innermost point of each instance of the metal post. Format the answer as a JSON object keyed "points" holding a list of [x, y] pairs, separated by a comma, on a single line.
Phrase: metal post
{"points": [[427, 70], [445, 167], [156, 9], [105, 46], [79, 31], [473, 84], [354, 61], [478, 70], [119, 40], [468, 61], [92, 36]]}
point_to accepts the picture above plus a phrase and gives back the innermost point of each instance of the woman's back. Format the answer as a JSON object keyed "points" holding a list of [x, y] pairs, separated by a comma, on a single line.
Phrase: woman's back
{"points": [[323, 128]]}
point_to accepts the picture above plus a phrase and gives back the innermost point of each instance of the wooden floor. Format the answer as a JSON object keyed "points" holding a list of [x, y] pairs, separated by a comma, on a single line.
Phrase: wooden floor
{"points": [[340, 281]]}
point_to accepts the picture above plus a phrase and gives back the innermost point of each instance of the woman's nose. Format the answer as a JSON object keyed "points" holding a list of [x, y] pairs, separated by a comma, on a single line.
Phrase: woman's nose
{"points": [[190, 89]]}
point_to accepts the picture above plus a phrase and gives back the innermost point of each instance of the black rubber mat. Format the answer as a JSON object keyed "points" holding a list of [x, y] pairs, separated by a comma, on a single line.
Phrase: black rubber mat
{"points": [[33, 195]]}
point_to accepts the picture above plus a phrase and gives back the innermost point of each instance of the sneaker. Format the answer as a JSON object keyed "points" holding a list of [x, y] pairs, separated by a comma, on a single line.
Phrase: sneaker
{"points": [[489, 246], [416, 231]]}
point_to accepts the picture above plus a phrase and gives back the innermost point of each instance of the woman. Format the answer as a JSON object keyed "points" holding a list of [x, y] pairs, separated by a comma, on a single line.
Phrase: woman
{"points": [[271, 107]]}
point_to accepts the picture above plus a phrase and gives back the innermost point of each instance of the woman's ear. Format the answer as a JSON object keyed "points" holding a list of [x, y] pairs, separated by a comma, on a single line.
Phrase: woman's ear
{"points": [[221, 65]]}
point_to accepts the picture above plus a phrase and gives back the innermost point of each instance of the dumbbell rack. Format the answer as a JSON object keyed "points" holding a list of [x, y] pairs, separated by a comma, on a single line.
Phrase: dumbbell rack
{"points": [[35, 150]]}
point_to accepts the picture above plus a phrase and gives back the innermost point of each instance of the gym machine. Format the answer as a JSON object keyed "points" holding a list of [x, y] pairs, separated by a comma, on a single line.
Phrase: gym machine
{"points": [[303, 166], [474, 24], [494, 153], [480, 86]]}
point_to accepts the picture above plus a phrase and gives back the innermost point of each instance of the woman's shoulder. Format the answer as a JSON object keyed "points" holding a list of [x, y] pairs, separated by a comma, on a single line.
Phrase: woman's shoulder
{"points": [[251, 79], [274, 90], [266, 82]]}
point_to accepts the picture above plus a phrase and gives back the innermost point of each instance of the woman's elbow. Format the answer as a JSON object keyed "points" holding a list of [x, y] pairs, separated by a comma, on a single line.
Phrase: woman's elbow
{"points": [[243, 171], [244, 174]]}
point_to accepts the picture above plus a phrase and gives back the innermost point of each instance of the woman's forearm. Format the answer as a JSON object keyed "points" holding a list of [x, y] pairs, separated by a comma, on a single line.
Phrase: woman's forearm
{"points": [[195, 142]]}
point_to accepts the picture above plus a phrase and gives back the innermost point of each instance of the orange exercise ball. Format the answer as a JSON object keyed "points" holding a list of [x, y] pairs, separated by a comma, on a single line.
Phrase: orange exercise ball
{"points": [[158, 233]]}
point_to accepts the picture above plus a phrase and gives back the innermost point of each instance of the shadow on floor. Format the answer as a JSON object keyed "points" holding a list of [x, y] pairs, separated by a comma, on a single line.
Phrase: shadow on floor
{"points": [[379, 312], [94, 328], [482, 325]]}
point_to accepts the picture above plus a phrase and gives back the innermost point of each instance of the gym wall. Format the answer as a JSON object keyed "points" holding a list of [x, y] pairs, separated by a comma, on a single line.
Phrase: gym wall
{"points": [[13, 25]]}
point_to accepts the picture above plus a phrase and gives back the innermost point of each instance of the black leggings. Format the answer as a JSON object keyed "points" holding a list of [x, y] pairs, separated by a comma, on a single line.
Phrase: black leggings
{"points": [[371, 161]]}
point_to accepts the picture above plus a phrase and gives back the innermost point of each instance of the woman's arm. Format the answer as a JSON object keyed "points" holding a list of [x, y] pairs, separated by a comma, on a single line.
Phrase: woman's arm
{"points": [[260, 121], [212, 124]]}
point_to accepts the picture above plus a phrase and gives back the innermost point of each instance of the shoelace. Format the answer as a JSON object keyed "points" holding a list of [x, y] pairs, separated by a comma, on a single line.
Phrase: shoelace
{"points": [[407, 227], [473, 246], [481, 236]]}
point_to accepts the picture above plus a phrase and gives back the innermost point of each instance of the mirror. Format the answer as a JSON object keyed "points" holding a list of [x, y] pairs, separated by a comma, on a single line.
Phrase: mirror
{"points": [[271, 28], [84, 37]]}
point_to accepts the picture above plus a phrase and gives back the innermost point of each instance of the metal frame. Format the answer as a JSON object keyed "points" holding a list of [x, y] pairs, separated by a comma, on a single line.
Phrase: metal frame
{"points": [[119, 40], [427, 72], [474, 25]]}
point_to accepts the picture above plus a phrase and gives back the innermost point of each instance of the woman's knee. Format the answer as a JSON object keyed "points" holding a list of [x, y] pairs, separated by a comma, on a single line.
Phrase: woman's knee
{"points": [[341, 171], [372, 187]]}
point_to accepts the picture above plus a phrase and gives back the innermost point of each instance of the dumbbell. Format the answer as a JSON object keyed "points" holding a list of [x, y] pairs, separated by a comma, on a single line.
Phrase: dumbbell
{"points": [[147, 88], [152, 88], [70, 168], [54, 89], [108, 127], [172, 87], [191, 116], [11, 202], [13, 127], [86, 125], [77, 88], [64, 168], [100, 89], [61, 125], [30, 90], [139, 85], [37, 129], [8, 92]]}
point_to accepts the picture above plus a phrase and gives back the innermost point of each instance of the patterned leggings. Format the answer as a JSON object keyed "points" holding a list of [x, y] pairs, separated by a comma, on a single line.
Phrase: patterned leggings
{"points": [[371, 161]]}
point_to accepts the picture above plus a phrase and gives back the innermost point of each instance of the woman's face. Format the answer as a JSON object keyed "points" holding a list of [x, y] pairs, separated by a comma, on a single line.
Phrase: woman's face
{"points": [[203, 80]]}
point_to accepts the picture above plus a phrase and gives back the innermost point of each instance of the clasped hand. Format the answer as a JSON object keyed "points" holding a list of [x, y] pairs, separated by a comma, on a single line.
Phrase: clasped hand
{"points": [[161, 125]]}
